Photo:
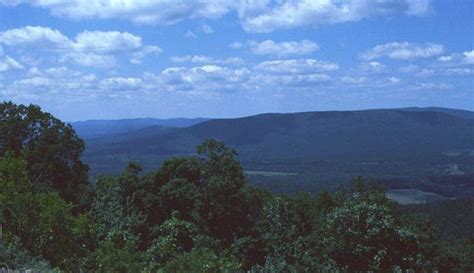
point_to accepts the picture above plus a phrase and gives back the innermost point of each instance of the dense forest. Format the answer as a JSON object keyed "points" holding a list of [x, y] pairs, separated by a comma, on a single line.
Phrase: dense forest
{"points": [[199, 214]]}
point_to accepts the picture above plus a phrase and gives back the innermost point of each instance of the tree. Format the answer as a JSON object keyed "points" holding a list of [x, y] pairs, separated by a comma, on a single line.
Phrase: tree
{"points": [[201, 261], [366, 232], [51, 148], [229, 206], [40, 222]]}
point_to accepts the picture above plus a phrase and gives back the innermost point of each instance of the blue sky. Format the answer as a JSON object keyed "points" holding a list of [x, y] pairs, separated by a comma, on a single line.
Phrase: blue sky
{"points": [[97, 59]]}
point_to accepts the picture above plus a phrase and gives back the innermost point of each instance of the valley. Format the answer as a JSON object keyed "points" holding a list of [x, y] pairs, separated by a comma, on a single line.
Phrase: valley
{"points": [[428, 149]]}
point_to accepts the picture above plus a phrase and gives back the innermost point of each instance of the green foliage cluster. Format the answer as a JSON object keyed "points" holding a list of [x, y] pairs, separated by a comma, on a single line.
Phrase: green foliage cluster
{"points": [[194, 214]]}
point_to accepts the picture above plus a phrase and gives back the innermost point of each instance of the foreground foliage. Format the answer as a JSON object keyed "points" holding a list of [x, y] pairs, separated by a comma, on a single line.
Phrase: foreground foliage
{"points": [[198, 214]]}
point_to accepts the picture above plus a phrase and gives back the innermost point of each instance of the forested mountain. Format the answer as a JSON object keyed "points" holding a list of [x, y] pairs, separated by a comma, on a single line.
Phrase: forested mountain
{"points": [[107, 128], [370, 135]]}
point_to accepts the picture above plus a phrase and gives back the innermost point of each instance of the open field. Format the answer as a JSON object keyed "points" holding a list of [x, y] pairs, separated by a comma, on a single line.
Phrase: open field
{"points": [[413, 196], [268, 174]]}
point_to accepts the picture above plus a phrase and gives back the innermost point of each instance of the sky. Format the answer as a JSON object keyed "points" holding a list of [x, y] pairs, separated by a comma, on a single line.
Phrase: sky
{"points": [[98, 59]]}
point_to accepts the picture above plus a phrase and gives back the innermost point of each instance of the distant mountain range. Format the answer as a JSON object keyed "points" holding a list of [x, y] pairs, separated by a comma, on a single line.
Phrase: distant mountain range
{"points": [[101, 128], [380, 134]]}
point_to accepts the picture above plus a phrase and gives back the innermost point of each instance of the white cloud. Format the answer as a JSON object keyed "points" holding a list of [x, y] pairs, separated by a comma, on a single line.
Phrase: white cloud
{"points": [[143, 12], [459, 71], [39, 84], [301, 66], [35, 35], [269, 47], [290, 14], [90, 59], [426, 72], [106, 41], [190, 34], [372, 67], [285, 81], [403, 51], [36, 82], [206, 60], [430, 86], [207, 29], [88, 48], [121, 83], [456, 59], [8, 63], [445, 58], [353, 80], [469, 57], [235, 45], [204, 78], [394, 80], [137, 57], [255, 16]]}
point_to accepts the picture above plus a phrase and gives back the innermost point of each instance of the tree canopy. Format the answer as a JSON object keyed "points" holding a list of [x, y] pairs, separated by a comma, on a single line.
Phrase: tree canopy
{"points": [[193, 214], [50, 147]]}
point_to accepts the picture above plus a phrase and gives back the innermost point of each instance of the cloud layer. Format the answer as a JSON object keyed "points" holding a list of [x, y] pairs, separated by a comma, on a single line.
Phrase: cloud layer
{"points": [[255, 16]]}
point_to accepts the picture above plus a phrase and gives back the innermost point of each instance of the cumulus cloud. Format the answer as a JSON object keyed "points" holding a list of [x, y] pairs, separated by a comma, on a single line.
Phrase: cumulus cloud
{"points": [[53, 80], [8, 63], [88, 48], [403, 51], [206, 72], [469, 57], [255, 16], [269, 47], [445, 58], [206, 60], [465, 58], [394, 80], [372, 67], [120, 83], [206, 78], [293, 66], [62, 72], [285, 81], [235, 45], [137, 57], [106, 41], [290, 14], [353, 80], [143, 12], [35, 35], [90, 59], [96, 41], [36, 82]]}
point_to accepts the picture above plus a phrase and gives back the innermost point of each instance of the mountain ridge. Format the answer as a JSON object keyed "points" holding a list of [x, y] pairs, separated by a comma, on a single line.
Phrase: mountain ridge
{"points": [[390, 134]]}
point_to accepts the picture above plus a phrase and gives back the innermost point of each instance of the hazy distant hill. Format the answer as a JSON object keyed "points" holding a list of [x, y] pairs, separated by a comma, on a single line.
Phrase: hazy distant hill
{"points": [[398, 134], [452, 112], [100, 128]]}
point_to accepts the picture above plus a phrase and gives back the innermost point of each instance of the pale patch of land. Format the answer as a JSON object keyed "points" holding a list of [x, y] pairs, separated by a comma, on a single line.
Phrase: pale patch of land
{"points": [[265, 173], [413, 196]]}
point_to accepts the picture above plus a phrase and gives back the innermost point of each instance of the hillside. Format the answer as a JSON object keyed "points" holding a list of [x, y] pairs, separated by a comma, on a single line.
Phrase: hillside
{"points": [[309, 141], [372, 134]]}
